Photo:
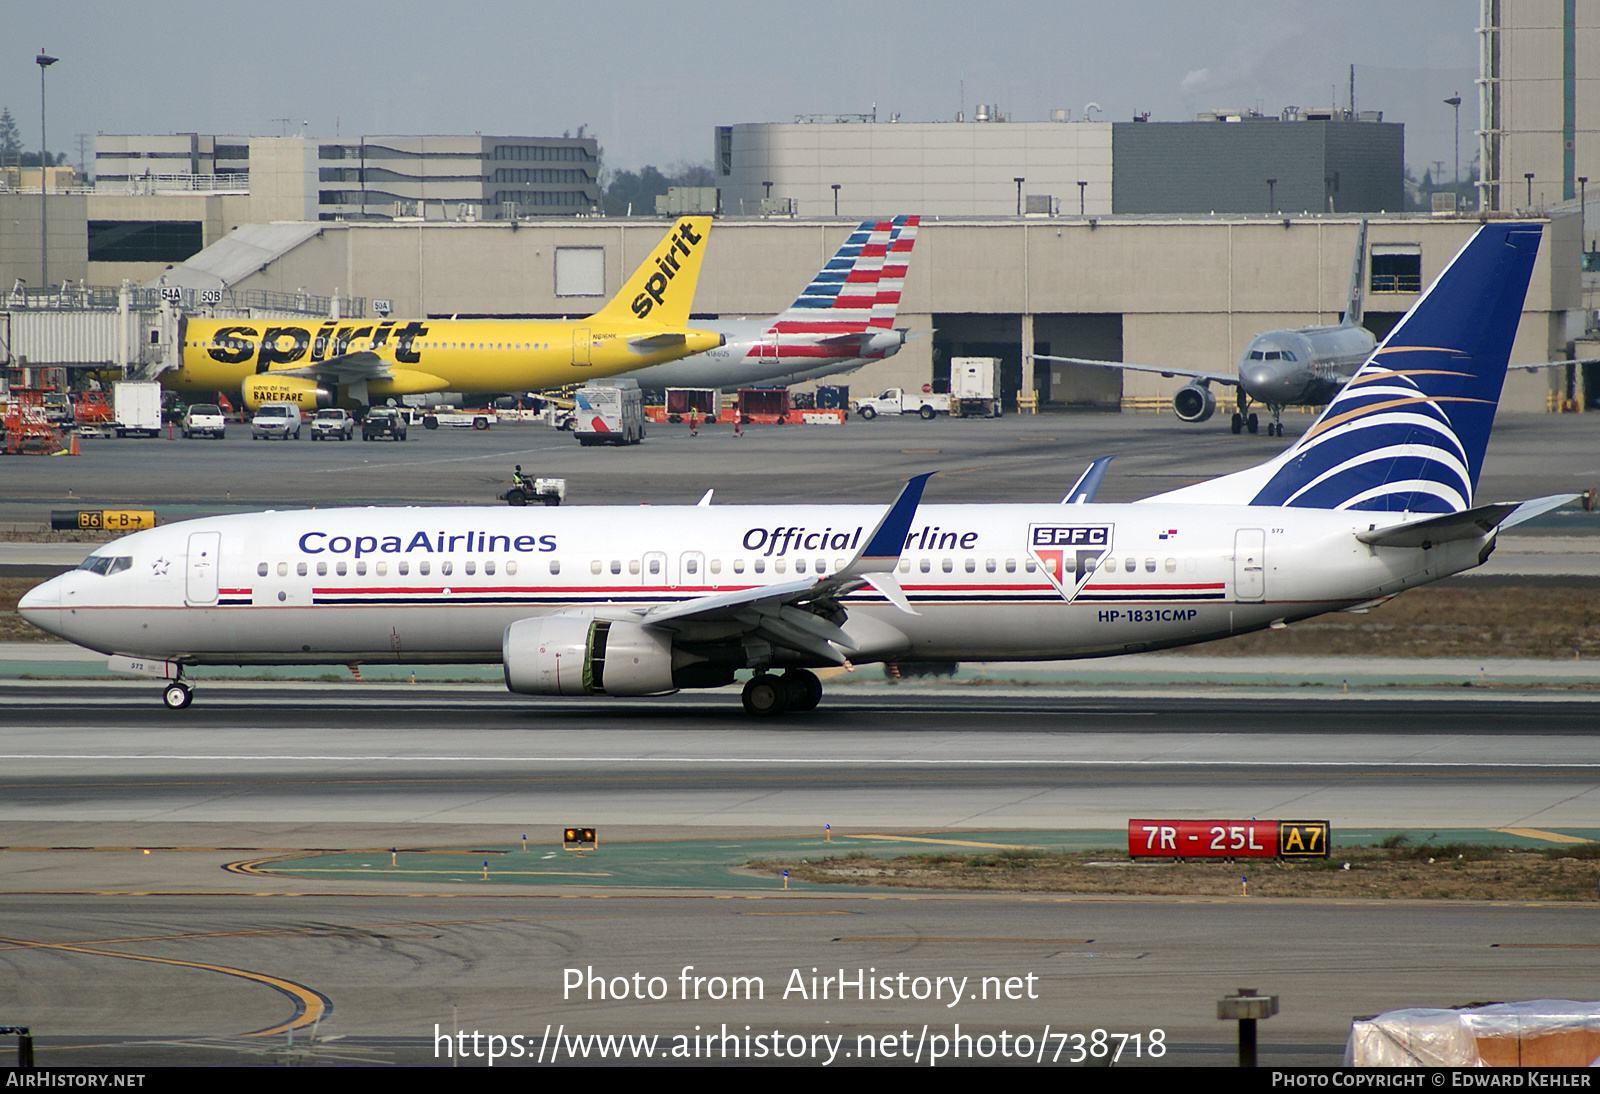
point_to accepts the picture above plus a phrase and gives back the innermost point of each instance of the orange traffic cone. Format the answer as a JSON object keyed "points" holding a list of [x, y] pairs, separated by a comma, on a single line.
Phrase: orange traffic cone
{"points": [[74, 444]]}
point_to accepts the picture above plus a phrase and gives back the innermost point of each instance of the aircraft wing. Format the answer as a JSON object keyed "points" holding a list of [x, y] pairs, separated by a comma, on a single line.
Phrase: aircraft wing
{"points": [[1160, 370], [778, 613], [1553, 364], [350, 368]]}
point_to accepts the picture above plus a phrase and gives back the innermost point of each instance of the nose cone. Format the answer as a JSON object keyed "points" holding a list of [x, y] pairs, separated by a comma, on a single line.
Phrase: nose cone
{"points": [[41, 606], [1278, 383]]}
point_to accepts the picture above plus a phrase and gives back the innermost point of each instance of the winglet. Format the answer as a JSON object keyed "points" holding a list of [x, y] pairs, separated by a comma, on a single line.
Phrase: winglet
{"points": [[888, 539], [1088, 484], [662, 288]]}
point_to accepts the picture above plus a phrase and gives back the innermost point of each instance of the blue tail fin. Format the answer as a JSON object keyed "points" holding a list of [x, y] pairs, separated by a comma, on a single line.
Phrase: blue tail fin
{"points": [[1409, 431]]}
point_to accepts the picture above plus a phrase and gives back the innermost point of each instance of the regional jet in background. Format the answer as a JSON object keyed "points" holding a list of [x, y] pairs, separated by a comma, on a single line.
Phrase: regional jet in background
{"points": [[317, 364], [1375, 498], [842, 320]]}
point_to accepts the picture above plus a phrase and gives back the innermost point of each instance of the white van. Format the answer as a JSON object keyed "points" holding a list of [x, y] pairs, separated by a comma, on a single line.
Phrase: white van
{"points": [[275, 420]]}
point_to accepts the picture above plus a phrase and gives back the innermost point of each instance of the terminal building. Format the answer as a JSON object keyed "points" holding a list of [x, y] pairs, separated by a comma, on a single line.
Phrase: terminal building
{"points": [[1298, 161]]}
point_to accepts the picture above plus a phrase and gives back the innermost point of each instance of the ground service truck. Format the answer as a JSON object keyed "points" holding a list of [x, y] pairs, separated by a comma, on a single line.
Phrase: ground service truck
{"points": [[975, 387]]}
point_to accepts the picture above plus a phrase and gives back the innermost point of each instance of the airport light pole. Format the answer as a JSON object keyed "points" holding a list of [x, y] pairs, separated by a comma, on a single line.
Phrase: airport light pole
{"points": [[1082, 186], [836, 199], [1454, 102], [1272, 202], [1529, 177], [1583, 228], [1019, 180], [44, 61]]}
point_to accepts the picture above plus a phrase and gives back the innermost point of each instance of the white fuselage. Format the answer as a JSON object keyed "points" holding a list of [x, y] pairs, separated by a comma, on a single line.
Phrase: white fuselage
{"points": [[437, 585], [755, 354]]}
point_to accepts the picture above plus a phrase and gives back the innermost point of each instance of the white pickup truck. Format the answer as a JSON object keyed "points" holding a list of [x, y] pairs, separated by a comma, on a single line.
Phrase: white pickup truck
{"points": [[900, 401]]}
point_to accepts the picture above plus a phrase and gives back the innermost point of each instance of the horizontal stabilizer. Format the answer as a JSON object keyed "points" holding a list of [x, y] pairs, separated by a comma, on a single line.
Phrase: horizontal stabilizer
{"points": [[1471, 524], [650, 343]]}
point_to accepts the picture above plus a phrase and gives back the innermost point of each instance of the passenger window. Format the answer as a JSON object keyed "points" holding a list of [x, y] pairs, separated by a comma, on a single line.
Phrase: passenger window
{"points": [[1050, 565], [1031, 566], [446, 567], [511, 567], [301, 569], [261, 570], [716, 565], [905, 565], [925, 565], [322, 569], [799, 565], [472, 566], [948, 565], [633, 566], [988, 565], [972, 565], [405, 568], [595, 567], [382, 568], [1172, 565], [1011, 565], [1149, 565], [616, 565], [555, 566], [738, 566], [655, 565], [822, 565], [283, 569], [361, 568], [1111, 565], [1069, 565], [1130, 564], [342, 567], [779, 566], [761, 565], [423, 567], [692, 565]]}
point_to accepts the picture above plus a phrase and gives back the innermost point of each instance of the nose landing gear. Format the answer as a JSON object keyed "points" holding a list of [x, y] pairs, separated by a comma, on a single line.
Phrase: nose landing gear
{"points": [[177, 695]]}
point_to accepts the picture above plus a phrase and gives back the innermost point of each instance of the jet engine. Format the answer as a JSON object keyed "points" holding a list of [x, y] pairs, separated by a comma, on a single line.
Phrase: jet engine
{"points": [[267, 388], [575, 655], [1194, 403]]}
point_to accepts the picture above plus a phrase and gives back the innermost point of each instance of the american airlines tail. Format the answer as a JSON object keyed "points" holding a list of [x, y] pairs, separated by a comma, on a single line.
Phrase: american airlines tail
{"points": [[859, 287], [1408, 433]]}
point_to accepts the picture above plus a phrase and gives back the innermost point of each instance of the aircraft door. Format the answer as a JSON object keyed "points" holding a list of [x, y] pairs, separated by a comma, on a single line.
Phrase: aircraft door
{"points": [[654, 570], [580, 347], [691, 568], [1249, 564], [205, 557]]}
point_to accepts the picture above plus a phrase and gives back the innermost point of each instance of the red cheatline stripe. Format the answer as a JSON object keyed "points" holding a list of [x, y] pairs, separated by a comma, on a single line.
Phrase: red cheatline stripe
{"points": [[1097, 586]]}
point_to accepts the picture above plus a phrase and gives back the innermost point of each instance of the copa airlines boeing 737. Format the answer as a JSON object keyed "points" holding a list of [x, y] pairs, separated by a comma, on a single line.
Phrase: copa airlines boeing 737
{"points": [[318, 364], [1375, 498], [841, 321]]}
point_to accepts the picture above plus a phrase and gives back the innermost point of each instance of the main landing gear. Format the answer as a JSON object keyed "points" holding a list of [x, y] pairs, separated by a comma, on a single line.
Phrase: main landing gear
{"points": [[178, 694], [797, 690]]}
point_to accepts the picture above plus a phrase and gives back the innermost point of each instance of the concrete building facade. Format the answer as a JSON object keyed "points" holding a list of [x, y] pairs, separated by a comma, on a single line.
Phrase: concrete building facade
{"points": [[1185, 291]]}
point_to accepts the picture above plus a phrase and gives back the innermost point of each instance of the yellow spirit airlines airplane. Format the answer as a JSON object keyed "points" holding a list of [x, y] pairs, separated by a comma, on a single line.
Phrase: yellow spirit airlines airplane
{"points": [[317, 364], [1375, 498]]}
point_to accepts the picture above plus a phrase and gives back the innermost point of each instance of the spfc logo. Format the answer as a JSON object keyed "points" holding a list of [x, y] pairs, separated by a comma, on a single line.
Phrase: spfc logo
{"points": [[1069, 553]]}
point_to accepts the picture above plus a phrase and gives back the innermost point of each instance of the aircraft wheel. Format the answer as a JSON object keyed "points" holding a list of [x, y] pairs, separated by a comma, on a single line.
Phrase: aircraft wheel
{"points": [[1253, 424], [805, 690], [1238, 423], [177, 695], [765, 695]]}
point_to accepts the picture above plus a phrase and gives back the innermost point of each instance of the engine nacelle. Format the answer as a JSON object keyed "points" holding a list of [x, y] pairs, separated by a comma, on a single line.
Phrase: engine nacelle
{"points": [[574, 655], [267, 388], [1194, 403]]}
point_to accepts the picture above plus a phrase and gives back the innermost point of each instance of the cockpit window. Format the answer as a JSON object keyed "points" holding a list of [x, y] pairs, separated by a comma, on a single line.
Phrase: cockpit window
{"points": [[1288, 355], [1255, 355], [1273, 355], [106, 564]]}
